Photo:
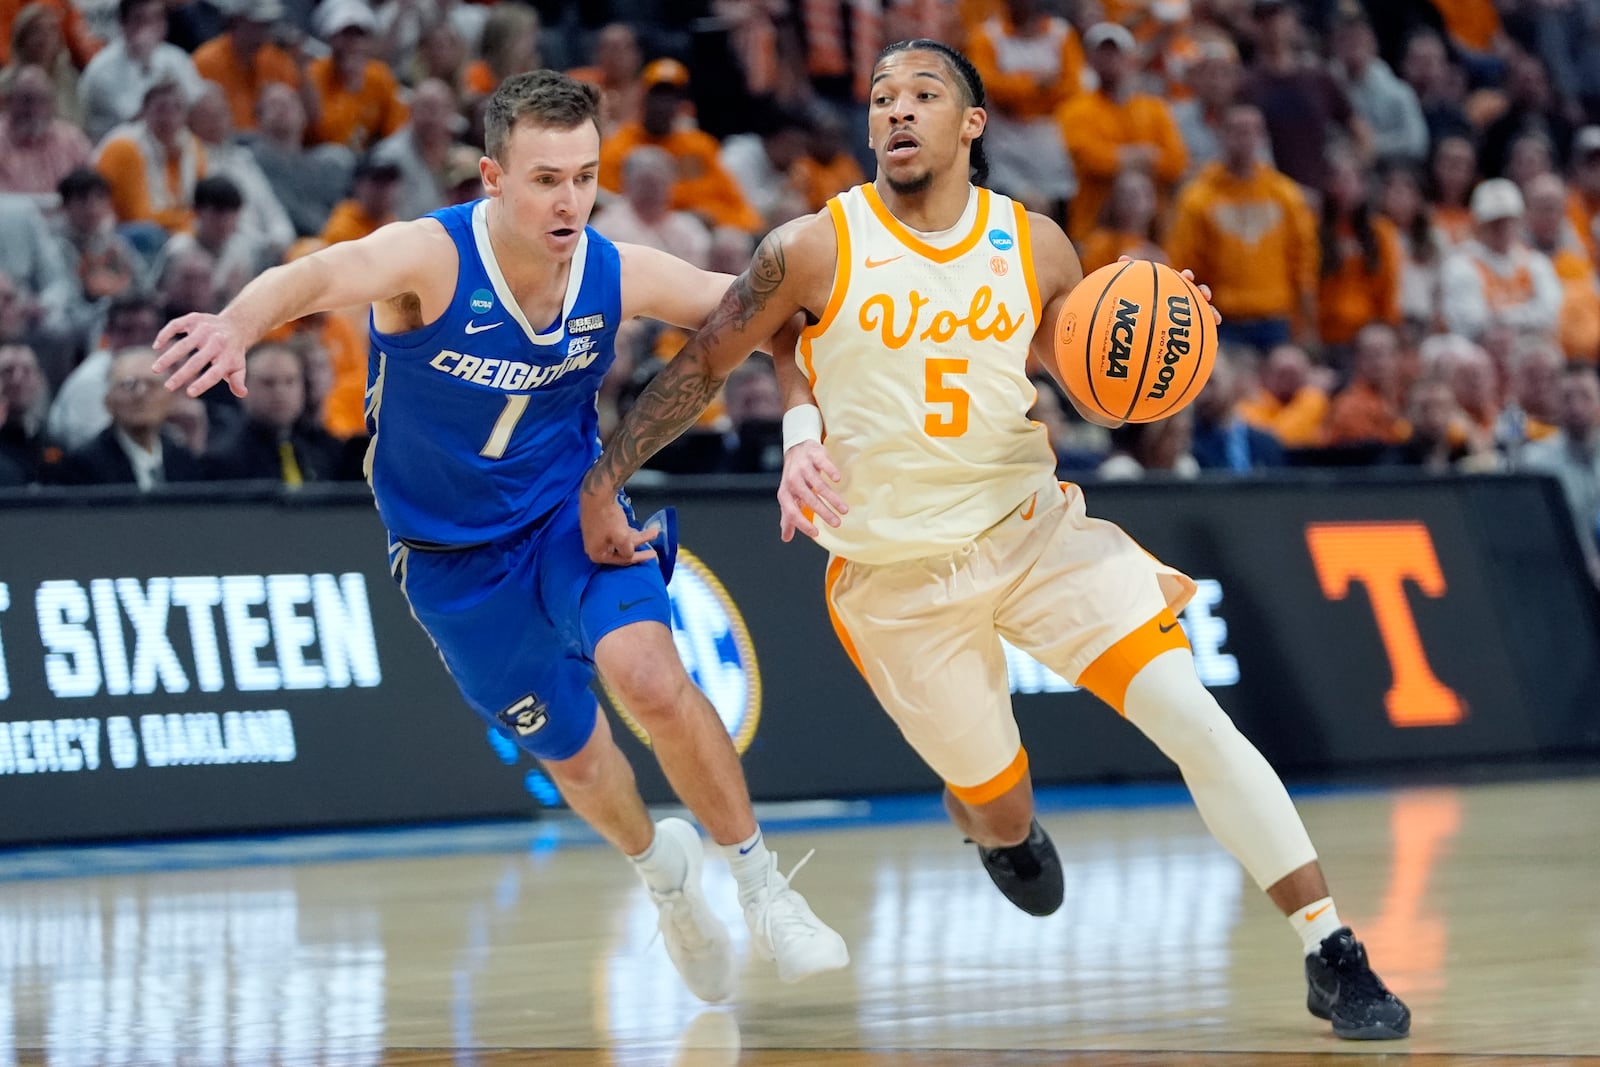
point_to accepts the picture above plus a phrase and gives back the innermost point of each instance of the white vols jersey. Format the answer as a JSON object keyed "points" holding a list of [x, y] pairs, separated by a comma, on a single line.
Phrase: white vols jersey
{"points": [[919, 366]]}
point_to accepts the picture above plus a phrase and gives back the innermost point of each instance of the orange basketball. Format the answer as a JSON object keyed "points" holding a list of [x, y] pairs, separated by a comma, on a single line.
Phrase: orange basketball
{"points": [[1135, 342]]}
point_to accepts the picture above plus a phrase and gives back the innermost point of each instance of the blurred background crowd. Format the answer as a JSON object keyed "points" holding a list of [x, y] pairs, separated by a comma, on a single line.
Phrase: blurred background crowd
{"points": [[1394, 202]]}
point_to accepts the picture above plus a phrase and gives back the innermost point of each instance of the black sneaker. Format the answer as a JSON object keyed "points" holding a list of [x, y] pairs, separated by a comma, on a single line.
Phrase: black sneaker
{"points": [[1028, 874], [1343, 989]]}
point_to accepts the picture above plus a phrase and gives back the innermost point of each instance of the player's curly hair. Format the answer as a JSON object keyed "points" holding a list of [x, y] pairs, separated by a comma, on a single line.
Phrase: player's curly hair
{"points": [[969, 79], [545, 97]]}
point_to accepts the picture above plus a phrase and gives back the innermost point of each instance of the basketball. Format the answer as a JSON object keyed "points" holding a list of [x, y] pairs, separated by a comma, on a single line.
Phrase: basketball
{"points": [[1135, 342]]}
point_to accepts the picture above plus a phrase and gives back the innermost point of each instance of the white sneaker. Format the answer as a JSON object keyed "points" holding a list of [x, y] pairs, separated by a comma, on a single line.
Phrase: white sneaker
{"points": [[784, 928], [696, 940]]}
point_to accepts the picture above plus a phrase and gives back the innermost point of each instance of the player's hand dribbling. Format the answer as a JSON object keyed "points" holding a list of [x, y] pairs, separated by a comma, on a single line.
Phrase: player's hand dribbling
{"points": [[607, 536], [807, 472], [209, 350]]}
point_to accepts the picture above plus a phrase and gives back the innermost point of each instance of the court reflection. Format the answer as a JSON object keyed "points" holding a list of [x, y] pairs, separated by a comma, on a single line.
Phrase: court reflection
{"points": [[167, 969]]}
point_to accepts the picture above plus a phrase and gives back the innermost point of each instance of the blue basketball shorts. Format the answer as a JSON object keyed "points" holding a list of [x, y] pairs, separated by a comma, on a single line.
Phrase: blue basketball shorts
{"points": [[517, 621]]}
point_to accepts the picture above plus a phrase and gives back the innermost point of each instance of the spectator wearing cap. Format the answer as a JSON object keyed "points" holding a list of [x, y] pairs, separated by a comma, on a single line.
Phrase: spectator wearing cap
{"points": [[244, 59], [1114, 129], [421, 148], [1496, 279], [308, 182], [1439, 85], [119, 78], [1583, 206], [91, 250], [133, 449], [358, 98], [703, 186], [37, 149], [79, 412], [1031, 63], [1290, 400], [38, 40], [152, 166], [374, 192], [1367, 410], [1550, 231], [239, 254], [1386, 104], [263, 218], [1213, 79], [641, 215], [1303, 105], [1573, 455], [509, 45], [615, 72], [1361, 259], [1246, 229]]}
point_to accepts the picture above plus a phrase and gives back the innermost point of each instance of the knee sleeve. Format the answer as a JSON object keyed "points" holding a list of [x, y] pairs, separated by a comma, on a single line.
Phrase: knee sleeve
{"points": [[1240, 797]]}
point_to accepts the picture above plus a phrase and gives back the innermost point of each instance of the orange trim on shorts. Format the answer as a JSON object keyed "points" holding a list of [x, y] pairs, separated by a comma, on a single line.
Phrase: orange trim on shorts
{"points": [[995, 787], [899, 232], [1025, 253], [836, 568], [841, 284], [1108, 676]]}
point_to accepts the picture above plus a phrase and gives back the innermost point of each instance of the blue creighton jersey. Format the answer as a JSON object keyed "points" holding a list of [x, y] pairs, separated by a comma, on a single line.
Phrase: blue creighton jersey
{"points": [[483, 422]]}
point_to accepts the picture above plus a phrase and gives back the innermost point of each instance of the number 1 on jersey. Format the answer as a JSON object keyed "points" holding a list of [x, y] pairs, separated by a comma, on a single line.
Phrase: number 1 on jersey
{"points": [[936, 424], [500, 436]]}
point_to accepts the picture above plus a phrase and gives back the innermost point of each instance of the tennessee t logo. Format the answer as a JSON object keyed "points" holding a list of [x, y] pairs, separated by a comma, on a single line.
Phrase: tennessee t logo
{"points": [[1382, 556]]}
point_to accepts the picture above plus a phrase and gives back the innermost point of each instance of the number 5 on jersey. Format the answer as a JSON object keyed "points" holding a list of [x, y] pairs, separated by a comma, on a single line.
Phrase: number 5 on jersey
{"points": [[936, 424]]}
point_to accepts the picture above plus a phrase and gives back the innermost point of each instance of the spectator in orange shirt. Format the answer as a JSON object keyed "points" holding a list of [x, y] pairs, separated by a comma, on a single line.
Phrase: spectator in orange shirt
{"points": [[1367, 410], [81, 44], [826, 169], [153, 164], [1245, 228], [1583, 206], [703, 185], [37, 41], [244, 59], [1031, 64], [1550, 231], [374, 193], [1114, 128], [1453, 173], [1127, 224], [1360, 258], [1497, 279], [358, 98], [1291, 398]]}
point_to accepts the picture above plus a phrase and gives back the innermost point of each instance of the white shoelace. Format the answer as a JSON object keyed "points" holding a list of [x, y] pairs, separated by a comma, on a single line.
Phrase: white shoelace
{"points": [[790, 914]]}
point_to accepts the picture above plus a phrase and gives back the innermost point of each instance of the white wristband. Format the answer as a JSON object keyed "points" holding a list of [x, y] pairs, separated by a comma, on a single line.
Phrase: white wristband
{"points": [[803, 423]]}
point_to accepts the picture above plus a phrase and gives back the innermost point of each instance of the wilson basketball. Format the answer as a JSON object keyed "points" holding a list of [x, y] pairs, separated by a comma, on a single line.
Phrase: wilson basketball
{"points": [[1135, 342]]}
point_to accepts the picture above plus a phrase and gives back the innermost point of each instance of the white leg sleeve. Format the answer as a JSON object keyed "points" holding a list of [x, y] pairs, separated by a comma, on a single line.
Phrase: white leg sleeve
{"points": [[1240, 796]]}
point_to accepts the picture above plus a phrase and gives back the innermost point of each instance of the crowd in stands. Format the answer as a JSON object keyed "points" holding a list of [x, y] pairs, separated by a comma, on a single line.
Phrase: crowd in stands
{"points": [[1395, 202]]}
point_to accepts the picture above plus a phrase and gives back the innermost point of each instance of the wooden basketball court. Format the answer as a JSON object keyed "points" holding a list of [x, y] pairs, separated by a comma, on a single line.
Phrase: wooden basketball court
{"points": [[529, 945]]}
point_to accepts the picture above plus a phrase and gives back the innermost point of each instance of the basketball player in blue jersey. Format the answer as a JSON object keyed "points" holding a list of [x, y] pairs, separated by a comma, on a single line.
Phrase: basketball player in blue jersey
{"points": [[492, 327]]}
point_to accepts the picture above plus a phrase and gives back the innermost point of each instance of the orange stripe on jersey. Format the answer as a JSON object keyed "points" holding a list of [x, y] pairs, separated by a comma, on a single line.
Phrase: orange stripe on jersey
{"points": [[836, 568], [841, 285], [939, 255], [995, 787], [1108, 676], [1025, 253]]}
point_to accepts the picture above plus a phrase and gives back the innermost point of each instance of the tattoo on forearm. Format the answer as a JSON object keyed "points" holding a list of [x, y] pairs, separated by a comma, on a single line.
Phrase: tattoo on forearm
{"points": [[669, 405], [682, 391]]}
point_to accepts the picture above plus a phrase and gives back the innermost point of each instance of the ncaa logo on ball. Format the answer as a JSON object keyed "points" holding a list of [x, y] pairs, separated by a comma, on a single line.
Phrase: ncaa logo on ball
{"points": [[1001, 240], [481, 301], [716, 650]]}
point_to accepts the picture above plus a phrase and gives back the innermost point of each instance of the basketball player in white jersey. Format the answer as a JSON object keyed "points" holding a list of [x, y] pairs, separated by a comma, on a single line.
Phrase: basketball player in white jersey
{"points": [[925, 295]]}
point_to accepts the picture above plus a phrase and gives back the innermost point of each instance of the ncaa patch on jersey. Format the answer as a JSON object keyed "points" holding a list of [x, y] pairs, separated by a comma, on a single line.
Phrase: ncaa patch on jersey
{"points": [[715, 645], [481, 301], [586, 324], [1001, 240]]}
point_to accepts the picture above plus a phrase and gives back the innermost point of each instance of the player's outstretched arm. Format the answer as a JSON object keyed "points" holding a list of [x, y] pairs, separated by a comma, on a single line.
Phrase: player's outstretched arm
{"points": [[202, 349], [809, 473], [791, 264]]}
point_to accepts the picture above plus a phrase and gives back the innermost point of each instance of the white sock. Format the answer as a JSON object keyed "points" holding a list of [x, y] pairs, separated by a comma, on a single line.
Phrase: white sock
{"points": [[663, 866], [751, 863], [1314, 922]]}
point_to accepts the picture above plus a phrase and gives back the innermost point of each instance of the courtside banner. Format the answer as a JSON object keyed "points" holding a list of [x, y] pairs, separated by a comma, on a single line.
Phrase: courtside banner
{"points": [[227, 665]]}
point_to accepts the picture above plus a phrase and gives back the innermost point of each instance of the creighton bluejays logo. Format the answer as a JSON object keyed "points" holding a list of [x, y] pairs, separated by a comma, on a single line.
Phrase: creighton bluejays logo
{"points": [[526, 716], [715, 647], [481, 301]]}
